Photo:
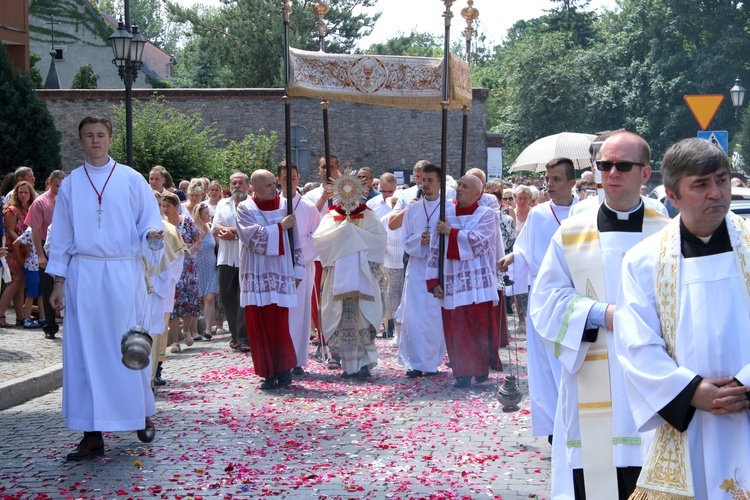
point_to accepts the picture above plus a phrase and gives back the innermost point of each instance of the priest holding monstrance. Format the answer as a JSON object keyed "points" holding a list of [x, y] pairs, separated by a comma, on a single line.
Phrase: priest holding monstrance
{"points": [[351, 243]]}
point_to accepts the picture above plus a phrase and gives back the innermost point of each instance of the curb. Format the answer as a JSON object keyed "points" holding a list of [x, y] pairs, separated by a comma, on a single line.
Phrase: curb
{"points": [[21, 390]]}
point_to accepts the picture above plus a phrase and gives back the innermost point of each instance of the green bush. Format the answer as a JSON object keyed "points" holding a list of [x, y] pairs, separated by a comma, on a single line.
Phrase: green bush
{"points": [[85, 78], [180, 142], [252, 153], [165, 136]]}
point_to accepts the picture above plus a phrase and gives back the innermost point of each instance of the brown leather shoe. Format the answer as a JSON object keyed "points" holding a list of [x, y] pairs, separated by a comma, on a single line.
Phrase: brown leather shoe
{"points": [[89, 447]]}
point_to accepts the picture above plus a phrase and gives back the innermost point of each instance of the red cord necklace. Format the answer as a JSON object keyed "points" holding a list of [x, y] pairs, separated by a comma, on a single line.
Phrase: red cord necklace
{"points": [[98, 194]]}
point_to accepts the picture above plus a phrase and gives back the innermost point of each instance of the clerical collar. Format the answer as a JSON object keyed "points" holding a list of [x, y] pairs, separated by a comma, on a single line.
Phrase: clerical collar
{"points": [[267, 205], [466, 211], [623, 215], [693, 246], [609, 221], [104, 168]]}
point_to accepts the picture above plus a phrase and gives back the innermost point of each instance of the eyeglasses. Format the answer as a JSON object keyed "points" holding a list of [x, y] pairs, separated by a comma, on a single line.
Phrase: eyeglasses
{"points": [[509, 198], [622, 166], [363, 177]]}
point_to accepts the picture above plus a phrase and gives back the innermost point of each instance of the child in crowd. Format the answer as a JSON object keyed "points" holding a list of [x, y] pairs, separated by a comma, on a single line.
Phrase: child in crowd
{"points": [[25, 246]]}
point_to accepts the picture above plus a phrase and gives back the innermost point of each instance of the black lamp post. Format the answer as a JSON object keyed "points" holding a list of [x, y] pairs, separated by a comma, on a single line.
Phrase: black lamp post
{"points": [[738, 96], [127, 47]]}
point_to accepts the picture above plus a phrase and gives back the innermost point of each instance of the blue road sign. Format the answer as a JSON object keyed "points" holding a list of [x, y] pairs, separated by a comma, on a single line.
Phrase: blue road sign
{"points": [[718, 137]]}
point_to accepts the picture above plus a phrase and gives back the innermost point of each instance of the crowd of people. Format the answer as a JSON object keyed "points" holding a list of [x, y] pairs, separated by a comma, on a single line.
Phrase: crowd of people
{"points": [[638, 370]]}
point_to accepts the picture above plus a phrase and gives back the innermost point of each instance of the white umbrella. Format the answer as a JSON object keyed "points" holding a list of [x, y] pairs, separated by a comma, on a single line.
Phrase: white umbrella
{"points": [[566, 144]]}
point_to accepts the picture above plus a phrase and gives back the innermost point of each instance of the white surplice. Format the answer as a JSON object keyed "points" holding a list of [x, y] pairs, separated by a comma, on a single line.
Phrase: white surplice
{"points": [[105, 293], [711, 341], [300, 317], [472, 278], [266, 276], [544, 370], [422, 343]]}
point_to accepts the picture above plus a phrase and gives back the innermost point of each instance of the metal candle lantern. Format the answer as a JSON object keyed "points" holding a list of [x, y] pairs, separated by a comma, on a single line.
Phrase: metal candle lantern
{"points": [[136, 348]]}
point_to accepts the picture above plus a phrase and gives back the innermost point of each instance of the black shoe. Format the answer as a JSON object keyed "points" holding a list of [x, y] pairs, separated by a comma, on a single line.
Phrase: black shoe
{"points": [[148, 433], [414, 373], [462, 382], [298, 370], [268, 384], [89, 447], [363, 373], [347, 375], [49, 336], [244, 348], [284, 379], [207, 336], [481, 378], [430, 374], [159, 381]]}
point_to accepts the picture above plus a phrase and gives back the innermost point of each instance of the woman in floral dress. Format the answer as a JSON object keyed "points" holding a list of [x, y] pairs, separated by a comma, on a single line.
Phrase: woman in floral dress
{"points": [[186, 294]]}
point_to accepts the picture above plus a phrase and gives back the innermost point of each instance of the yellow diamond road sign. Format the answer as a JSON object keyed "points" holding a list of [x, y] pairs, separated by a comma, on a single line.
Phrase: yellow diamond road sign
{"points": [[704, 107]]}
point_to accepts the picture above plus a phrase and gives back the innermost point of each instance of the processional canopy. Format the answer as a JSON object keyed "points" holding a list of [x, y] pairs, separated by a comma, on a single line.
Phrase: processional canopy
{"points": [[396, 81]]}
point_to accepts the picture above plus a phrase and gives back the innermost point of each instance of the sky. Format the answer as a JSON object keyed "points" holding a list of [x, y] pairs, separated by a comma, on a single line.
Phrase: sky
{"points": [[495, 16]]}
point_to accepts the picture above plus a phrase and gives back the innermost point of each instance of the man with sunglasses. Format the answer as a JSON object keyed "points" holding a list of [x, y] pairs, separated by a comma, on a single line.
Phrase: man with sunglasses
{"points": [[573, 307]]}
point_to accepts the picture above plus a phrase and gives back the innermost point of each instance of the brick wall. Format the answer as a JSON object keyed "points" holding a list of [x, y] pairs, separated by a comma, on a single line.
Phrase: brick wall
{"points": [[381, 138]]}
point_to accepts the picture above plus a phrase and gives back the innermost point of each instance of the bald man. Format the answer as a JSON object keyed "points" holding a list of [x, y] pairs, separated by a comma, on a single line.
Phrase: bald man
{"points": [[270, 272], [469, 289]]}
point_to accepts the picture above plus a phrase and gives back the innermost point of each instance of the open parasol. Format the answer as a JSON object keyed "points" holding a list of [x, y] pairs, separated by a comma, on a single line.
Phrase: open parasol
{"points": [[571, 145]]}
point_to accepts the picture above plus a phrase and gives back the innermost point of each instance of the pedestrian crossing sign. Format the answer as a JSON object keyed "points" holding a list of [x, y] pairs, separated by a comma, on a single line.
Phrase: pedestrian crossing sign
{"points": [[718, 137]]}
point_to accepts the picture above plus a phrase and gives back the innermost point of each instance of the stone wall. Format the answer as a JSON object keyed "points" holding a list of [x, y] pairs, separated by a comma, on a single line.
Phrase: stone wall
{"points": [[382, 138]]}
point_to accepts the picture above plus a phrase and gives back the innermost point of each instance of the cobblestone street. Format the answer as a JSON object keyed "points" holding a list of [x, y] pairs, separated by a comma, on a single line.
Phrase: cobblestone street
{"points": [[218, 435]]}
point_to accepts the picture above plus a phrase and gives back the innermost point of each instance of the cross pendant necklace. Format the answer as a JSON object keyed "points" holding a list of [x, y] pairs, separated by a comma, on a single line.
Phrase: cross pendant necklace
{"points": [[424, 206], [99, 195]]}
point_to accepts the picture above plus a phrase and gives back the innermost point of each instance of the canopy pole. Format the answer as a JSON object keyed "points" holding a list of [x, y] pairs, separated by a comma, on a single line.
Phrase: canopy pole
{"points": [[470, 14], [327, 143], [447, 16], [286, 11]]}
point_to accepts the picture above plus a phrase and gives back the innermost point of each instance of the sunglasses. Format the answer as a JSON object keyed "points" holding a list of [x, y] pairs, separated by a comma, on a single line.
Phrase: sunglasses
{"points": [[621, 166], [509, 198]]}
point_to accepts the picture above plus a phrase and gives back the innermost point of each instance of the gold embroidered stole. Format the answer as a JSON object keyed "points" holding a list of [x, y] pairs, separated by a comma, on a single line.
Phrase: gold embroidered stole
{"points": [[667, 474], [580, 237]]}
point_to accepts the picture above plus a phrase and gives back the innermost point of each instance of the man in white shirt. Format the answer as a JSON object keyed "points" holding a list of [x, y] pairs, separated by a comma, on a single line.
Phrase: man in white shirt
{"points": [[228, 259]]}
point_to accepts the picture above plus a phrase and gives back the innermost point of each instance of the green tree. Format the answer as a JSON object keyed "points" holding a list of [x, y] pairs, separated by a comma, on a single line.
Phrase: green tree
{"points": [[660, 50], [162, 135], [248, 155], [85, 78], [413, 44], [151, 19], [245, 37], [27, 130]]}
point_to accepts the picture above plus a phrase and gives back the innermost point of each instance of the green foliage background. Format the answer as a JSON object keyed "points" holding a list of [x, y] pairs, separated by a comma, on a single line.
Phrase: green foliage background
{"points": [[27, 130], [181, 143]]}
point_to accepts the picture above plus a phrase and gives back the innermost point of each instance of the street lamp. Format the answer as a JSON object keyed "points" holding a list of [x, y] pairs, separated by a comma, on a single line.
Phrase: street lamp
{"points": [[127, 46], [738, 96]]}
